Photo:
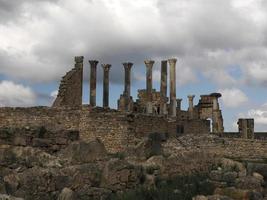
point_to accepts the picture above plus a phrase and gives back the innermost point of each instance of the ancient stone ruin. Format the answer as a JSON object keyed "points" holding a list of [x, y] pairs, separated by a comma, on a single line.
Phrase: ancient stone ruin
{"points": [[150, 145], [153, 111]]}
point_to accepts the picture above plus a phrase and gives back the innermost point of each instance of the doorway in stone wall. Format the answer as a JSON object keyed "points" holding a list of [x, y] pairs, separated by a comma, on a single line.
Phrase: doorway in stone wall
{"points": [[211, 122]]}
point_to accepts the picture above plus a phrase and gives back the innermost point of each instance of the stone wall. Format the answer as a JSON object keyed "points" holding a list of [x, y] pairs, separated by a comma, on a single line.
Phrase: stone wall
{"points": [[70, 89], [110, 126], [257, 135], [49, 141], [116, 129], [51, 118], [196, 127]]}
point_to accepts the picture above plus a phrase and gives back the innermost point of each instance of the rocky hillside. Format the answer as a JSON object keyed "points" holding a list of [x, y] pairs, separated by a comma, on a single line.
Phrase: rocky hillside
{"points": [[38, 164]]}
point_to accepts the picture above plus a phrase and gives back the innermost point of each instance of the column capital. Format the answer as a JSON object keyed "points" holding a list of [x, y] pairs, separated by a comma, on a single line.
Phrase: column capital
{"points": [[93, 62], [149, 63], [172, 61], [164, 61], [106, 67], [78, 59], [127, 65], [179, 100], [191, 97]]}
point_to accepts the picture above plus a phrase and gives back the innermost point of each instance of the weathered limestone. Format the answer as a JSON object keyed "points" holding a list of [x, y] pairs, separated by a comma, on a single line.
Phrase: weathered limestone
{"points": [[93, 64], [246, 128], [127, 78], [191, 102], [172, 63], [163, 80], [125, 103], [208, 108], [215, 104], [106, 68], [70, 89], [149, 64], [163, 88], [191, 106]]}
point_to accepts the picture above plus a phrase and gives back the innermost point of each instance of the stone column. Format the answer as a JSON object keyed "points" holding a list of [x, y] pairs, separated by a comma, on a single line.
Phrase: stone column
{"points": [[191, 105], [163, 80], [106, 68], [93, 64], [172, 63], [149, 64], [127, 79], [179, 102]]}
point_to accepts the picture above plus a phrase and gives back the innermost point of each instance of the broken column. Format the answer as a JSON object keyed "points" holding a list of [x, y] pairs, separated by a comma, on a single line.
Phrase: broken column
{"points": [[191, 106], [172, 63], [93, 64], [217, 120], [125, 103], [179, 103], [106, 68], [163, 87], [149, 87], [246, 128]]}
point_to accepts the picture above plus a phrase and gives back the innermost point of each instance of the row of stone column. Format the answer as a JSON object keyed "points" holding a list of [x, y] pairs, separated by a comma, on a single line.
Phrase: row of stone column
{"points": [[127, 82], [163, 84], [106, 68]]}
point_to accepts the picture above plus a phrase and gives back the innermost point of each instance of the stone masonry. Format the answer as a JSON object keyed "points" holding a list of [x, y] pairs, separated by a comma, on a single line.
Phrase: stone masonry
{"points": [[70, 89]]}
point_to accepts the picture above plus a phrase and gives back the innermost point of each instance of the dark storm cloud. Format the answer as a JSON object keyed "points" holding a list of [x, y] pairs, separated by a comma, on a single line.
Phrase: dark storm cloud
{"points": [[10, 10], [206, 35]]}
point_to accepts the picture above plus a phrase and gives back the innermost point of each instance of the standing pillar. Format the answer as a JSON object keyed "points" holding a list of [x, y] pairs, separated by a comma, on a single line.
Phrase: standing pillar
{"points": [[172, 63], [191, 106], [93, 64], [149, 64], [163, 88], [179, 103], [106, 68], [127, 79], [163, 80]]}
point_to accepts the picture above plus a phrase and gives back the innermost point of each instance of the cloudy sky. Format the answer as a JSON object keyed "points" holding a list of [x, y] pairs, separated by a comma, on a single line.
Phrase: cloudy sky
{"points": [[221, 46]]}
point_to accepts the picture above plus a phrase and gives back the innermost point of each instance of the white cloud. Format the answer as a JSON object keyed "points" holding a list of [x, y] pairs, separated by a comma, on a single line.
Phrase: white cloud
{"points": [[259, 115], [233, 97], [53, 94], [12, 94], [207, 35]]}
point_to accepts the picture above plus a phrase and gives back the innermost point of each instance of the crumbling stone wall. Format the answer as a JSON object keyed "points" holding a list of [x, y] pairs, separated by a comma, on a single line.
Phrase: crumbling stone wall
{"points": [[49, 141], [208, 107], [117, 130], [70, 89], [111, 127], [143, 98], [51, 118]]}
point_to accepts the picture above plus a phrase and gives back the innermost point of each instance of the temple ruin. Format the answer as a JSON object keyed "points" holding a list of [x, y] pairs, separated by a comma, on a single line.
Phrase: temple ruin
{"points": [[152, 111], [149, 102]]}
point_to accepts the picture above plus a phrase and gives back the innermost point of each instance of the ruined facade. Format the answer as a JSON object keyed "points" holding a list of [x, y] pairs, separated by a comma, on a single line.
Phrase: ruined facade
{"points": [[153, 111], [246, 128], [70, 89]]}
